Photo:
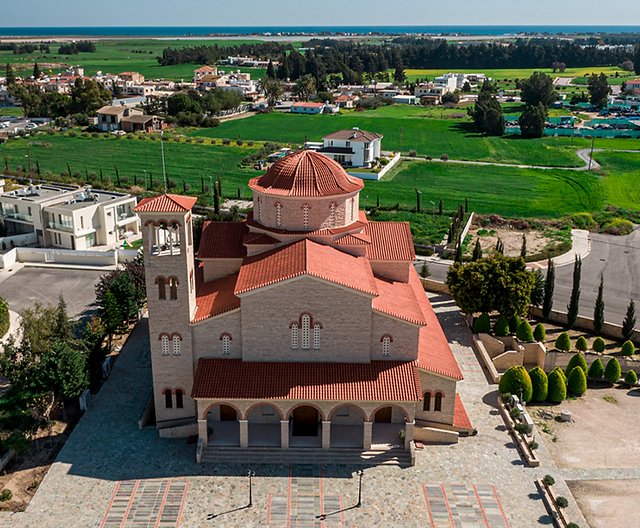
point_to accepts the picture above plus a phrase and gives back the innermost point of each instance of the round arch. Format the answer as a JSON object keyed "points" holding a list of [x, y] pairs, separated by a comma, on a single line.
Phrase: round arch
{"points": [[246, 415], [333, 411], [373, 414], [306, 405], [204, 415]]}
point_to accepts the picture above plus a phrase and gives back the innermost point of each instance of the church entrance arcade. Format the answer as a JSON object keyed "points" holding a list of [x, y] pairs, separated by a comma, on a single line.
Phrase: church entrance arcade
{"points": [[347, 427], [305, 427], [388, 422], [223, 425], [264, 425]]}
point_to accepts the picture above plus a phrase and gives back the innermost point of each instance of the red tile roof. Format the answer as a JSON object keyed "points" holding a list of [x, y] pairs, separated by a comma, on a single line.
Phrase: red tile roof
{"points": [[306, 173], [305, 257], [215, 297], [399, 300], [355, 239], [390, 241], [166, 203], [234, 379], [354, 134], [223, 240], [259, 239], [308, 105], [460, 418]]}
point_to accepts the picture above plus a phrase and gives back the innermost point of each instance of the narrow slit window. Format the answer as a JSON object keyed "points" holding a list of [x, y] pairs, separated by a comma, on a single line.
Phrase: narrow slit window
{"points": [[162, 289], [173, 288], [438, 403], [226, 345], [278, 214], [165, 345], [179, 403], [294, 336], [176, 345], [168, 399], [305, 216], [426, 402], [306, 323], [386, 345], [316, 337]]}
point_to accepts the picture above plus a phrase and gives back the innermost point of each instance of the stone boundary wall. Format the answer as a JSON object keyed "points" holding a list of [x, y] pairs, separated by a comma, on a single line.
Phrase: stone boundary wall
{"points": [[66, 257]]}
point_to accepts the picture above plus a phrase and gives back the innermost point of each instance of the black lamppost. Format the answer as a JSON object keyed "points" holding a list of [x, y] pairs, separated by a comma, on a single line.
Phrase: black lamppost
{"points": [[360, 473], [250, 475]]}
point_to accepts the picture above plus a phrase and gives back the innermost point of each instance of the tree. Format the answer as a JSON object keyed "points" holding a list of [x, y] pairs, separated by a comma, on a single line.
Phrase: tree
{"points": [[595, 369], [399, 75], [563, 342], [581, 344], [629, 323], [111, 315], [631, 378], [516, 381], [305, 87], [135, 270], [628, 349], [598, 344], [36, 71], [577, 381], [574, 302], [272, 89], [424, 270], [126, 296], [523, 247], [440, 207], [557, 386], [271, 73], [539, 383], [599, 90], [532, 121], [598, 309], [487, 114], [612, 371], [11, 78], [537, 295], [577, 360], [501, 328], [549, 285], [539, 334], [500, 246], [525, 332], [538, 89], [88, 96], [477, 251], [514, 323], [181, 102], [482, 324], [636, 62]]}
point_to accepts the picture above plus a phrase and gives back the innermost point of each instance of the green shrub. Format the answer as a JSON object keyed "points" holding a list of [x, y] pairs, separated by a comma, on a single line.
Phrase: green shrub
{"points": [[516, 380], [5, 495], [514, 323], [540, 334], [598, 344], [557, 387], [482, 324], [501, 328], [628, 349], [563, 342], [515, 413], [561, 502], [612, 371], [4, 316], [533, 445], [572, 525], [577, 360], [540, 384], [631, 377], [548, 480], [525, 332], [577, 381], [581, 344], [506, 397], [596, 369], [521, 428]]}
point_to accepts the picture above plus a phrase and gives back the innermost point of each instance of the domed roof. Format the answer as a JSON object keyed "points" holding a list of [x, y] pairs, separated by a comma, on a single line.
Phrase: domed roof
{"points": [[306, 173]]}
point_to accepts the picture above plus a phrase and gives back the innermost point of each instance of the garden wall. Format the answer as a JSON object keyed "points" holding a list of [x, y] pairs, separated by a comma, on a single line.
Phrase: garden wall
{"points": [[556, 358], [66, 257]]}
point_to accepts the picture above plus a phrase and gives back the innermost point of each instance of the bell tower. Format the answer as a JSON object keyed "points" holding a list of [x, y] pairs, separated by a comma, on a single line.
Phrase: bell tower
{"points": [[171, 299]]}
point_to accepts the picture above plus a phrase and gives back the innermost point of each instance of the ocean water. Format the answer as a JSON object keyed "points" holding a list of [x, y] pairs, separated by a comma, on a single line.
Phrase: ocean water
{"points": [[167, 31]]}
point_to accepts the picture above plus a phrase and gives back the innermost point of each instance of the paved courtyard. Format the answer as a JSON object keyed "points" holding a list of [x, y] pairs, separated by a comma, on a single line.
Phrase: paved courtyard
{"points": [[110, 473]]}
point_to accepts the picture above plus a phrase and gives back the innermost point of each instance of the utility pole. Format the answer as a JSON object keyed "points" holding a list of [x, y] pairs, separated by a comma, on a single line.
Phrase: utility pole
{"points": [[593, 140]]}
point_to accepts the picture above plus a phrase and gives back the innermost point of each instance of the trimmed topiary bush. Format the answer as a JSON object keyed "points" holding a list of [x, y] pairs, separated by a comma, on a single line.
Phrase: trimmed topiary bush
{"points": [[516, 380], [525, 332], [612, 371], [596, 369], [562, 502], [514, 323], [540, 334], [540, 384], [548, 480], [598, 344], [628, 348], [631, 378], [577, 381], [581, 344], [563, 342], [572, 525], [501, 328], [557, 387], [482, 324], [577, 360]]}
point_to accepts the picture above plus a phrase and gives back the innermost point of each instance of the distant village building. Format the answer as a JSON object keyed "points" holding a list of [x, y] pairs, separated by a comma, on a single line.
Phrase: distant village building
{"points": [[352, 148], [302, 107]]}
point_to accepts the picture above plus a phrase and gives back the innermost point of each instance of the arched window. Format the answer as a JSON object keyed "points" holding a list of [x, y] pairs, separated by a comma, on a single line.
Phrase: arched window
{"points": [[176, 345], [226, 345], [168, 400], [426, 401], [386, 345], [278, 214], [162, 288], [179, 404], [332, 214], [165, 345], [294, 336], [438, 403], [316, 337], [173, 288], [306, 323], [305, 216]]}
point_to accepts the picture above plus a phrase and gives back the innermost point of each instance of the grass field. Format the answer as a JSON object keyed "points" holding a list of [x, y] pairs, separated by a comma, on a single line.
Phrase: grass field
{"points": [[13, 112], [621, 178]]}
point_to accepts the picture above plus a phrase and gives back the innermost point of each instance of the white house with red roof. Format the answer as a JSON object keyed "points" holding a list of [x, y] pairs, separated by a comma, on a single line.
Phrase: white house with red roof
{"points": [[352, 147], [303, 327], [307, 107], [204, 70]]}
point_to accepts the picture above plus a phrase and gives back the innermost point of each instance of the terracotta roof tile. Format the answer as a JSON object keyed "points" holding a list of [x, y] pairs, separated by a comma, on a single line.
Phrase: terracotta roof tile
{"points": [[306, 173], [390, 241], [259, 239], [215, 297], [305, 257], [460, 418], [231, 379], [353, 239], [166, 203], [399, 300], [354, 135], [223, 240], [303, 104]]}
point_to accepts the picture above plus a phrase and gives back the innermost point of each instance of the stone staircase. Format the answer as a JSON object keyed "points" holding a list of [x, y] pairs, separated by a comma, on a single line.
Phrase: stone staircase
{"points": [[293, 455]]}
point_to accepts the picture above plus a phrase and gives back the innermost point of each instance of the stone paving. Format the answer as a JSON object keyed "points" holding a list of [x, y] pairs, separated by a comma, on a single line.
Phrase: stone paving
{"points": [[107, 452]]}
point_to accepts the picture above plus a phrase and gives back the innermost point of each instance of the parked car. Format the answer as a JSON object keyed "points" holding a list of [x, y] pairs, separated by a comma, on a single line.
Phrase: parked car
{"points": [[31, 125]]}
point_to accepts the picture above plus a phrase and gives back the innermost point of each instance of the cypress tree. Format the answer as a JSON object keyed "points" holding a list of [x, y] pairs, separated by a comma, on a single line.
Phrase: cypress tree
{"points": [[377, 200], [549, 285], [69, 169], [100, 175], [38, 167], [573, 306], [629, 322], [418, 201], [117, 176], [11, 78], [216, 200], [151, 180], [466, 205], [523, 249], [598, 309], [440, 207], [458, 255], [500, 247], [202, 183], [271, 73], [219, 187], [477, 251], [135, 179], [36, 71]]}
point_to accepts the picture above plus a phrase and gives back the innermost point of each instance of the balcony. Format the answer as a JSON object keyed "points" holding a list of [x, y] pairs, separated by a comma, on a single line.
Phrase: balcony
{"points": [[18, 216], [125, 217], [67, 227]]}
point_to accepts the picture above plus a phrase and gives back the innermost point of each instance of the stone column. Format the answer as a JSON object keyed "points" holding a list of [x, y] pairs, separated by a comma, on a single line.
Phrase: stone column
{"points": [[244, 433], [202, 432], [368, 434], [284, 434], [408, 434], [326, 434]]}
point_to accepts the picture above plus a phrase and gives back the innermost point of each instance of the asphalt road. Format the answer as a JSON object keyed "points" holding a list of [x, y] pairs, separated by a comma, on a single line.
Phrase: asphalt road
{"points": [[28, 286]]}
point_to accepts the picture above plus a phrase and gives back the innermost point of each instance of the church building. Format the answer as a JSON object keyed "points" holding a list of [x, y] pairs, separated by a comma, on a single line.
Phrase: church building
{"points": [[305, 325]]}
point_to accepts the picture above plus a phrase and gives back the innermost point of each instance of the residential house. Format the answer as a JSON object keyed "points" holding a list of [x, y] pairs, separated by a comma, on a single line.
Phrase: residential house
{"points": [[131, 77], [143, 123], [204, 70], [346, 101], [305, 107], [110, 117], [352, 148]]}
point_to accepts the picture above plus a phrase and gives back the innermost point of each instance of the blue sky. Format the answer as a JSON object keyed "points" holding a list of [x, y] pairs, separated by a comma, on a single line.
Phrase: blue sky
{"points": [[49, 13]]}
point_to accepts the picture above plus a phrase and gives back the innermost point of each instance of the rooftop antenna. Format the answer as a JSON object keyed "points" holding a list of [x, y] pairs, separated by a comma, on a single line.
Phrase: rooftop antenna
{"points": [[164, 174]]}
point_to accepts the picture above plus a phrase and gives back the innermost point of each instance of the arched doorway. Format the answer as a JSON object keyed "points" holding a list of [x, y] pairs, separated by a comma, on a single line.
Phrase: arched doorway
{"points": [[347, 426], [264, 426], [388, 421], [223, 426], [305, 427]]}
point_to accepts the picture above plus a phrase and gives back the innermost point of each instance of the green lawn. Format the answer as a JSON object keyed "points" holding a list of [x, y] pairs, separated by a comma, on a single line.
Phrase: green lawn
{"points": [[622, 178], [524, 193], [12, 111]]}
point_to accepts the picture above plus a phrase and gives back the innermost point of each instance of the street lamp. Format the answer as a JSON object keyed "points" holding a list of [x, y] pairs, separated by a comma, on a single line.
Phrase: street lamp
{"points": [[360, 473], [250, 475]]}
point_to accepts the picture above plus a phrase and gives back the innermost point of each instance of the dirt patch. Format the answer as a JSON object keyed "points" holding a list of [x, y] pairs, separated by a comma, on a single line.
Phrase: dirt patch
{"points": [[607, 503], [601, 434], [512, 240]]}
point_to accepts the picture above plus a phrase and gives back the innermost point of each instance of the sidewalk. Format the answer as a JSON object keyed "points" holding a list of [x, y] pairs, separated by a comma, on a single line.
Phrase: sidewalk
{"points": [[580, 246]]}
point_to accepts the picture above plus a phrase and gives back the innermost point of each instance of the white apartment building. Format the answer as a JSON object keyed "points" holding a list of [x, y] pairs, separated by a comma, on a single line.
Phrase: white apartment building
{"points": [[352, 148], [69, 217]]}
